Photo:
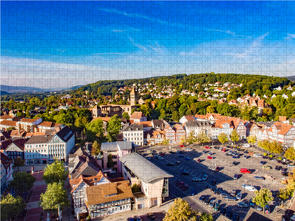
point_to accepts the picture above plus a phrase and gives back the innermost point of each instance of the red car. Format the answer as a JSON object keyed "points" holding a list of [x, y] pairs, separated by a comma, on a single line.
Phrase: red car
{"points": [[209, 157], [177, 182], [181, 145], [181, 184], [162, 154], [223, 150], [207, 147], [185, 188]]}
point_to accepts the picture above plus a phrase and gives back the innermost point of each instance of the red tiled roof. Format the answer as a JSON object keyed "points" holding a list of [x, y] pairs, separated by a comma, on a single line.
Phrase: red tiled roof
{"points": [[8, 123], [137, 115]]}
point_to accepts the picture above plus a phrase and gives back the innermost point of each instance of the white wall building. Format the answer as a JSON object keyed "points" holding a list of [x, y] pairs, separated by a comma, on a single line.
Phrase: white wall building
{"points": [[134, 133]]}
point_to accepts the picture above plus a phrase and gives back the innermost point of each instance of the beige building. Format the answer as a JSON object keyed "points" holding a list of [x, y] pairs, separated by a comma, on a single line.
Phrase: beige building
{"points": [[154, 182]]}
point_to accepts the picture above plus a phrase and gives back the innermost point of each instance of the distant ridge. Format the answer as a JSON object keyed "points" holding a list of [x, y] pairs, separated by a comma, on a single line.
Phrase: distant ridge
{"points": [[19, 89], [292, 78]]}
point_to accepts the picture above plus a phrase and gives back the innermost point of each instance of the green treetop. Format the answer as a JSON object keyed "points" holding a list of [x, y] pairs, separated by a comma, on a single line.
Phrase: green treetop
{"points": [[55, 172], [263, 197], [11, 207]]}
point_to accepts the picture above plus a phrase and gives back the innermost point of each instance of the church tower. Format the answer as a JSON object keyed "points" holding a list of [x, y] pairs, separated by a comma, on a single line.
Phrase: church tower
{"points": [[133, 97]]}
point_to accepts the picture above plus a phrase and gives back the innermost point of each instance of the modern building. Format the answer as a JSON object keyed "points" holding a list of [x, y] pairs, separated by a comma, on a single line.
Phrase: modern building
{"points": [[153, 181], [134, 133], [55, 144]]}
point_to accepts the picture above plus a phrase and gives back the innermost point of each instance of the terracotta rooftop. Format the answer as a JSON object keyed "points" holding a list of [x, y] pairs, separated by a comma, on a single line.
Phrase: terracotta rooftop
{"points": [[137, 115], [109, 192], [28, 120], [8, 123], [145, 123]]}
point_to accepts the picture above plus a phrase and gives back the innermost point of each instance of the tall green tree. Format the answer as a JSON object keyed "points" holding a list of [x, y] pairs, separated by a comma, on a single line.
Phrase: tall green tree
{"points": [[206, 217], [11, 207], [222, 137], [263, 197], [110, 163], [126, 116], [180, 211], [290, 154], [94, 130], [55, 195], [202, 138], [175, 116], [251, 139], [22, 182], [96, 147], [113, 128], [234, 136], [283, 195], [55, 172]]}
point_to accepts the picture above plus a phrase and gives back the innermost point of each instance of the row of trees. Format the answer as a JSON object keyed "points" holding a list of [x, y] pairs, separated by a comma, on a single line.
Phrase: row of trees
{"points": [[271, 146]]}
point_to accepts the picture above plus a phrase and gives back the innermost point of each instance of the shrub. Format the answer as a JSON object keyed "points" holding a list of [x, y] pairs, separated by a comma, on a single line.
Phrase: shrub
{"points": [[280, 158], [271, 156], [265, 154]]}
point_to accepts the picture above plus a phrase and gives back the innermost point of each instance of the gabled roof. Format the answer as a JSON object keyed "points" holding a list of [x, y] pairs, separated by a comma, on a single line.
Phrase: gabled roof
{"points": [[143, 168], [20, 143], [145, 123], [190, 118], [108, 192], [133, 127], [8, 123], [137, 115], [28, 120]]}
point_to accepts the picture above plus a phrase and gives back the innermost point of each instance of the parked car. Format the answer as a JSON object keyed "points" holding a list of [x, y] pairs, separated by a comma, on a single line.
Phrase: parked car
{"points": [[193, 192], [223, 150], [235, 163], [267, 209], [197, 179], [180, 155], [259, 177], [216, 206], [236, 176], [206, 147], [181, 145], [230, 152], [239, 196], [277, 168], [245, 170], [202, 198], [230, 198], [137, 218], [217, 169], [223, 195], [151, 216], [266, 167], [177, 183], [160, 158], [172, 152], [243, 204], [169, 164], [211, 204], [176, 163], [187, 158], [245, 156], [257, 155], [181, 184], [188, 149], [130, 219], [199, 160], [262, 162], [184, 172], [209, 157], [179, 151], [233, 193], [207, 200], [259, 208], [205, 177], [250, 188], [185, 187]]}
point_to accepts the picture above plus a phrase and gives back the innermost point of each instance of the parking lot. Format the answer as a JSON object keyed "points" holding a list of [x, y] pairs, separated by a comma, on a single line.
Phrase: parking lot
{"points": [[224, 178]]}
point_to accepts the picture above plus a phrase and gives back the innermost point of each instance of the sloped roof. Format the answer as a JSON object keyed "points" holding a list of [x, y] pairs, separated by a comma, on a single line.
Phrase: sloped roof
{"points": [[143, 168], [190, 118], [99, 194], [8, 123], [133, 127], [137, 115], [145, 123], [28, 120]]}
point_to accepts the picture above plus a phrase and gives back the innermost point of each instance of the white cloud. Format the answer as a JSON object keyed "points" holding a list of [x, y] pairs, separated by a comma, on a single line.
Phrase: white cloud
{"points": [[137, 45]]}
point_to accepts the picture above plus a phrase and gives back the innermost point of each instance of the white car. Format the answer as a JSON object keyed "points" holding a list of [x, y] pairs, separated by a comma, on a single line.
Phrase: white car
{"points": [[257, 155], [250, 188], [205, 177], [188, 149]]}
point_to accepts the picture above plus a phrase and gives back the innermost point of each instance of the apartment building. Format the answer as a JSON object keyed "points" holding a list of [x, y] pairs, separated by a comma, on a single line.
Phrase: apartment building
{"points": [[154, 182], [198, 127], [134, 133]]}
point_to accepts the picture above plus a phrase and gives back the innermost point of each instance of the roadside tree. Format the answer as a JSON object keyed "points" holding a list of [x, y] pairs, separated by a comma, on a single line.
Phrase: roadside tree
{"points": [[234, 136], [222, 138], [203, 138], [180, 211], [283, 195], [55, 172], [55, 195], [206, 217], [22, 182], [251, 139], [11, 207], [263, 197], [290, 154]]}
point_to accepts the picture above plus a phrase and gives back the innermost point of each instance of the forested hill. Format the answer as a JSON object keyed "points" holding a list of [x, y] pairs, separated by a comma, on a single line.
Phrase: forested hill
{"points": [[292, 78], [183, 81]]}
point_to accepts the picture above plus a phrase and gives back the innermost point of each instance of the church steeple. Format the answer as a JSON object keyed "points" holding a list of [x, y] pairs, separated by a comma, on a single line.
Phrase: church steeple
{"points": [[133, 96]]}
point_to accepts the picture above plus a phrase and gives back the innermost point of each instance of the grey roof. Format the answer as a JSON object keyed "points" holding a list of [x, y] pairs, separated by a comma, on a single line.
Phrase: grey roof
{"points": [[133, 127], [110, 146], [114, 146], [197, 123], [125, 145], [142, 168], [267, 124]]}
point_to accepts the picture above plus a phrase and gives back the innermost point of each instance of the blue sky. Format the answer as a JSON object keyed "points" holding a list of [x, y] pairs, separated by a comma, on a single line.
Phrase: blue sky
{"points": [[62, 44]]}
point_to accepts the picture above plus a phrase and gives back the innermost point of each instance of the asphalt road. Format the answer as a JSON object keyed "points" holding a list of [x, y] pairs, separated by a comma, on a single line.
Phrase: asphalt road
{"points": [[224, 178]]}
